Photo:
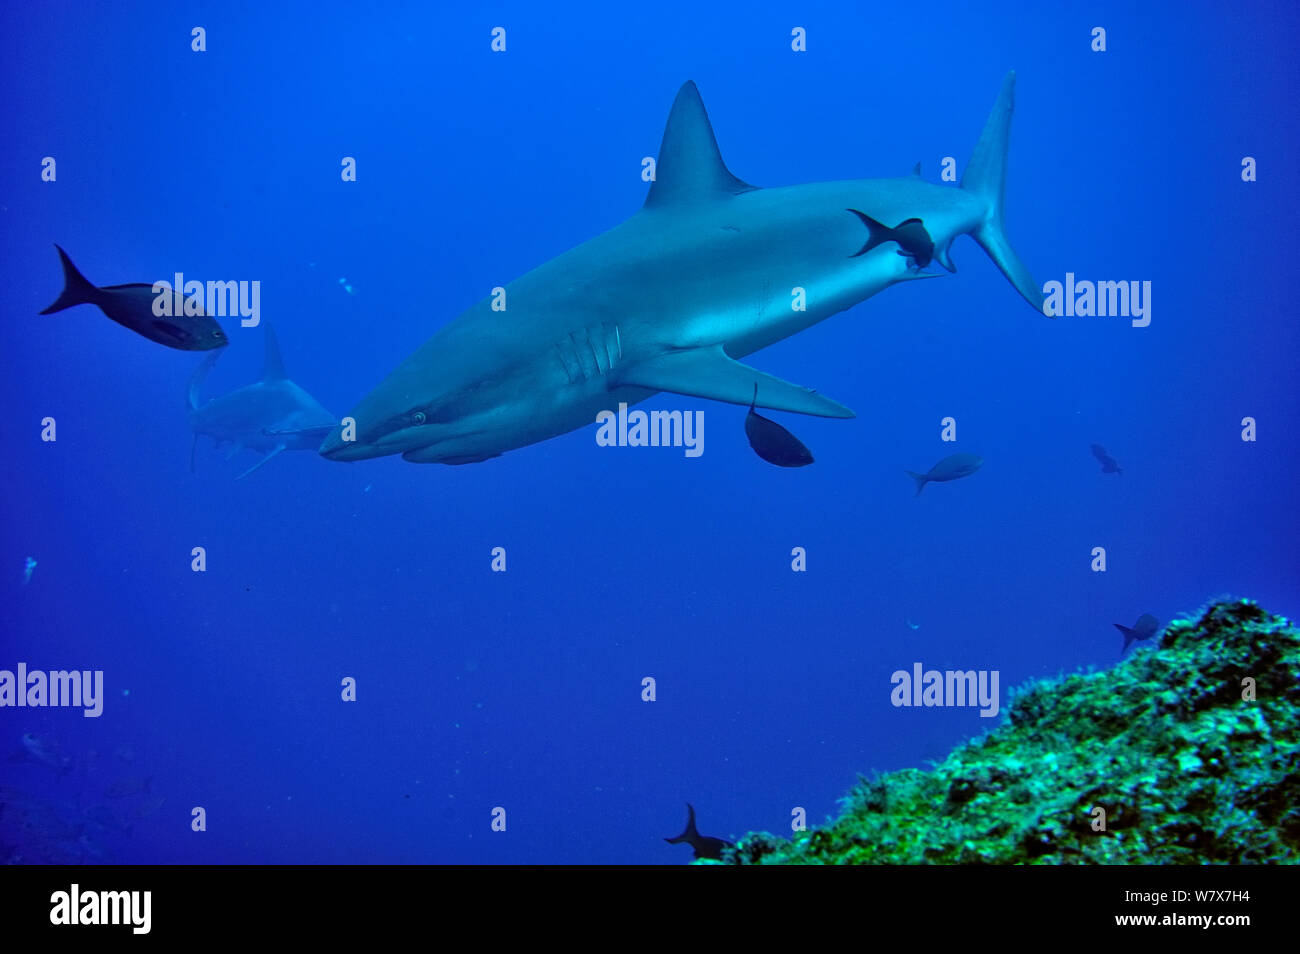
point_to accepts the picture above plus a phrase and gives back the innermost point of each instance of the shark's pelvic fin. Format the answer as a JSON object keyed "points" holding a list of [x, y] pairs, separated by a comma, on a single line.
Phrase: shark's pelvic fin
{"points": [[985, 177], [274, 451], [710, 373], [690, 166], [273, 367]]}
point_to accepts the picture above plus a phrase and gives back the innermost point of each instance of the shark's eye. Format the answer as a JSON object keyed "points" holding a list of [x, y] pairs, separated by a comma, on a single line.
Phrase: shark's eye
{"points": [[418, 418]]}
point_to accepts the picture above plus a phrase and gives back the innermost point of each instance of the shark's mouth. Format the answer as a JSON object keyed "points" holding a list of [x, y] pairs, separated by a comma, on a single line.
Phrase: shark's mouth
{"points": [[465, 447]]}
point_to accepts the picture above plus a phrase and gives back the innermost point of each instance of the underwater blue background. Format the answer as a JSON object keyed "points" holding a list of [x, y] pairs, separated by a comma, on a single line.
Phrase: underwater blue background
{"points": [[522, 689]]}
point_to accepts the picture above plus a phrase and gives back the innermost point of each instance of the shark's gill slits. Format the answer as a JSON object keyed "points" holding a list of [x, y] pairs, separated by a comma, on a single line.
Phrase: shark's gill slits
{"points": [[590, 352]]}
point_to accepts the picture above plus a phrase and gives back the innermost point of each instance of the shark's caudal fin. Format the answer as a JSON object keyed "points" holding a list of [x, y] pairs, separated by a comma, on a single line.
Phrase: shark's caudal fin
{"points": [[921, 481], [77, 289], [985, 178], [690, 166]]}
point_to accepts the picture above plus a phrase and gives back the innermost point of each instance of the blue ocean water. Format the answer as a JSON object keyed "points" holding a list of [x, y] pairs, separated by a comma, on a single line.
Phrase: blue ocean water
{"points": [[522, 690]]}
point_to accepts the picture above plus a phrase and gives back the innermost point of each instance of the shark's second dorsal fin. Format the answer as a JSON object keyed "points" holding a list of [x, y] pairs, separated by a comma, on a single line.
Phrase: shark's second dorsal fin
{"points": [[690, 166], [273, 368]]}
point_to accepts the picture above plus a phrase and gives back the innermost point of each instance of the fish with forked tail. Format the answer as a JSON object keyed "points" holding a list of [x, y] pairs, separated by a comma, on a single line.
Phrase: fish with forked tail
{"points": [[772, 442], [1108, 464], [183, 325], [705, 846], [1146, 627], [950, 468]]}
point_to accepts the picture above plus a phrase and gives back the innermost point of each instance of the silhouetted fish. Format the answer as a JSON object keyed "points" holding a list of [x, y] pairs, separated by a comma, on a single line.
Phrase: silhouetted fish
{"points": [[910, 234], [1108, 464], [132, 306], [43, 752], [950, 468], [772, 442], [1146, 627], [704, 845]]}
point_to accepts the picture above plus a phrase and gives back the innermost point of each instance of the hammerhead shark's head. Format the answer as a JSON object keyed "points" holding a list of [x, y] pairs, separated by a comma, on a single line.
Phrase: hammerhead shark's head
{"points": [[270, 416], [711, 269]]}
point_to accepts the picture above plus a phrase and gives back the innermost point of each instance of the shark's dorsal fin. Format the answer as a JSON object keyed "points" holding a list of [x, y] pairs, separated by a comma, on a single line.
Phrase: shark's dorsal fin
{"points": [[273, 368], [916, 170], [690, 166]]}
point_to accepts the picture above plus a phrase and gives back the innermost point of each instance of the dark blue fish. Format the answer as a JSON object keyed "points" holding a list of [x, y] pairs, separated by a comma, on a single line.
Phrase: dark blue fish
{"points": [[132, 306], [1146, 627], [774, 443], [704, 845], [913, 240], [950, 468], [1108, 464]]}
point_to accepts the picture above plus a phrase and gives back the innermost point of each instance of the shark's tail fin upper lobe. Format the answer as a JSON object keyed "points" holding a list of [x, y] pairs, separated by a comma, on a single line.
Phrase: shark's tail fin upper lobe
{"points": [[77, 289], [985, 178], [921, 481]]}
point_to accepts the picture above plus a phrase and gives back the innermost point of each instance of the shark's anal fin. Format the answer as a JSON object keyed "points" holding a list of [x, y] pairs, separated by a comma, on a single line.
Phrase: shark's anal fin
{"points": [[710, 373], [276, 450]]}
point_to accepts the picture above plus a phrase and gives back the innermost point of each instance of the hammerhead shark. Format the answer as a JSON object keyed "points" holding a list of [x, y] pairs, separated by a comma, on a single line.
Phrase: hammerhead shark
{"points": [[711, 269], [270, 416]]}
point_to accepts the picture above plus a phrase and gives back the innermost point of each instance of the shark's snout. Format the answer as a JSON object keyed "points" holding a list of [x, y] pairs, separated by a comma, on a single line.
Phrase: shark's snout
{"points": [[335, 448], [380, 444]]}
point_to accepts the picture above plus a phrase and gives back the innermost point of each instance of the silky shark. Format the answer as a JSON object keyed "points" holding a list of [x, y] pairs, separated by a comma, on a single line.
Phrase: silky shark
{"points": [[270, 416], [706, 272]]}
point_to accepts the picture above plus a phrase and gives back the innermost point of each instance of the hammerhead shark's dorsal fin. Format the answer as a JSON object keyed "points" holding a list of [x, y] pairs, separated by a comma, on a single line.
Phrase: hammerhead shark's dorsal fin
{"points": [[710, 373], [690, 166], [273, 368]]}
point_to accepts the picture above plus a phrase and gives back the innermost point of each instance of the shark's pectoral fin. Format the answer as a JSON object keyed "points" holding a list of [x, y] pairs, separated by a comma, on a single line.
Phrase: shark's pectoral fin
{"points": [[710, 373], [276, 450]]}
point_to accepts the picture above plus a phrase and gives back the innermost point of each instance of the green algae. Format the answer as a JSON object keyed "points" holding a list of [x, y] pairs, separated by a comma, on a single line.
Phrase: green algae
{"points": [[1186, 766]]}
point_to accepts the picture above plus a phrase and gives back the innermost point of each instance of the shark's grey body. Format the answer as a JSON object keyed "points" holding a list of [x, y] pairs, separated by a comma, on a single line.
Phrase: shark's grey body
{"points": [[270, 416], [703, 275]]}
